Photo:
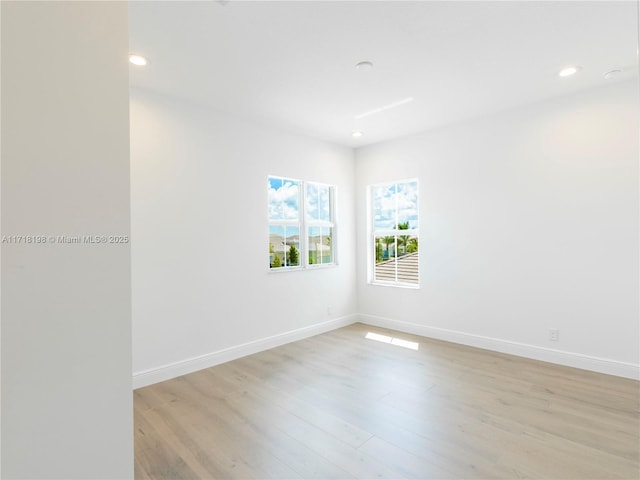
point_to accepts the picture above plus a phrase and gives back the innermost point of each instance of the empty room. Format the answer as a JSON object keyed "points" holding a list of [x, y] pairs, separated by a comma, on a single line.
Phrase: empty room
{"points": [[320, 240]]}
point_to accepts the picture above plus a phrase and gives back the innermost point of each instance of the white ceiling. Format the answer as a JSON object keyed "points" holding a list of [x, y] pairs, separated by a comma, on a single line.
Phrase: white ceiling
{"points": [[292, 64]]}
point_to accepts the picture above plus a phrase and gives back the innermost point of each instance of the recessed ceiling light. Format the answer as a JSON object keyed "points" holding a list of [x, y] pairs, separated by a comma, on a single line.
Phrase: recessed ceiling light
{"points": [[364, 66], [357, 134], [612, 74], [569, 70], [137, 60]]}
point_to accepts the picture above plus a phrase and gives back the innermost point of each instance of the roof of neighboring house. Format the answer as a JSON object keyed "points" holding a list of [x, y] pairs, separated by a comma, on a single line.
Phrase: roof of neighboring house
{"points": [[279, 244], [407, 269]]}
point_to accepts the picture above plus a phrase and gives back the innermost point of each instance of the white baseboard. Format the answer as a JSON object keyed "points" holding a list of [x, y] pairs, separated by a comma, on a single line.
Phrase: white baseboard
{"points": [[166, 372], [585, 362]]}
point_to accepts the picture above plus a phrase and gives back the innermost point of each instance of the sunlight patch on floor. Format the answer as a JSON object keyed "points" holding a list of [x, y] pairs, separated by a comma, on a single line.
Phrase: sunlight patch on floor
{"points": [[393, 341]]}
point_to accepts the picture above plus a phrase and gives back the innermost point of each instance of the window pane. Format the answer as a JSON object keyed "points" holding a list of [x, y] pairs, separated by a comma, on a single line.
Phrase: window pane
{"points": [[314, 239], [292, 246], [320, 245], [407, 262], [312, 201], [284, 246], [407, 200], [408, 269], [384, 207], [396, 259], [283, 199], [385, 258], [291, 199], [324, 203], [326, 246], [274, 201], [407, 244], [276, 246]]}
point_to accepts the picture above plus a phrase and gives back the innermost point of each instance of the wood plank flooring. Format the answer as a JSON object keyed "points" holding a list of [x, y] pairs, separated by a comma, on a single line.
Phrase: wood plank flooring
{"points": [[339, 406]]}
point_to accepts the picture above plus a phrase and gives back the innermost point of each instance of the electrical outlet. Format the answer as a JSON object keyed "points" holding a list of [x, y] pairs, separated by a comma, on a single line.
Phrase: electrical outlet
{"points": [[554, 334]]}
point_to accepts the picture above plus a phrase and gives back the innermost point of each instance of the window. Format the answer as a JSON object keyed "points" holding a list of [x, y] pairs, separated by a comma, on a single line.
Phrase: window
{"points": [[394, 233], [301, 226], [319, 217], [284, 222]]}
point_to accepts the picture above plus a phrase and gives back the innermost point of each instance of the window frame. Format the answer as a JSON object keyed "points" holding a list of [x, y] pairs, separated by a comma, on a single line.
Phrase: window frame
{"points": [[303, 224], [374, 233]]}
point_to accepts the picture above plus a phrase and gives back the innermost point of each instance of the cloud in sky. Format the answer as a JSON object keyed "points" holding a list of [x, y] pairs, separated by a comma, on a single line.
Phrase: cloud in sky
{"points": [[318, 206], [394, 204], [283, 199]]}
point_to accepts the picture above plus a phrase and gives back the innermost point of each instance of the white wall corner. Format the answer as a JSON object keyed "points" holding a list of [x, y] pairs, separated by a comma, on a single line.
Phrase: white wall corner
{"points": [[173, 370], [569, 359]]}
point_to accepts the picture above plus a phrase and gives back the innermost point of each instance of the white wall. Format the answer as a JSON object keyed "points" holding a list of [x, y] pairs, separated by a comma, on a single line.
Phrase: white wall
{"points": [[66, 310], [201, 285], [529, 221]]}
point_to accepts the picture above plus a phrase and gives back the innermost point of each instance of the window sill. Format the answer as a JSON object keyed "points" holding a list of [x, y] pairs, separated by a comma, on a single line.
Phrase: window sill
{"points": [[409, 286], [303, 269]]}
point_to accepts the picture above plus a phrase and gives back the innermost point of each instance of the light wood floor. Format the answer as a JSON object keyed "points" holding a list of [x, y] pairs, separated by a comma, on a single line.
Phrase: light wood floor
{"points": [[340, 406]]}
